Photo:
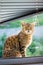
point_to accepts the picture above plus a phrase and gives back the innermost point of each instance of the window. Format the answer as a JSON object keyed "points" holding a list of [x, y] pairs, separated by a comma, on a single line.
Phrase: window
{"points": [[13, 27], [11, 17]]}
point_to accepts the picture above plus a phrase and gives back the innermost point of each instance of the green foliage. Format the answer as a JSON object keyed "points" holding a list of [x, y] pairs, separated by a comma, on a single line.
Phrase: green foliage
{"points": [[41, 41], [0, 50], [32, 48], [14, 24], [36, 48], [3, 37], [2, 40]]}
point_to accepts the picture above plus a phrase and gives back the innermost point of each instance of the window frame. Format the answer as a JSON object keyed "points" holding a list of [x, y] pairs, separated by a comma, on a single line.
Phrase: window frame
{"points": [[27, 60]]}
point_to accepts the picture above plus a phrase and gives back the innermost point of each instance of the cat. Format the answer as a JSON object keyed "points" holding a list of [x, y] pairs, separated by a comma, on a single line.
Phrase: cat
{"points": [[16, 45]]}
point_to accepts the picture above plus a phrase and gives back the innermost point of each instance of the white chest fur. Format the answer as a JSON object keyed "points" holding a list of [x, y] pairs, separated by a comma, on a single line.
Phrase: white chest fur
{"points": [[30, 41]]}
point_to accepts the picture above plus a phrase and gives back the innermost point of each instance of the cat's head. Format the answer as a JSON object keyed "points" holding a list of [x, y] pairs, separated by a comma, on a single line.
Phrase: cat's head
{"points": [[28, 28]]}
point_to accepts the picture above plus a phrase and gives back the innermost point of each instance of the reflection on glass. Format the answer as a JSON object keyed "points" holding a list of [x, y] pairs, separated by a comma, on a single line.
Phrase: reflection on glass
{"points": [[13, 28]]}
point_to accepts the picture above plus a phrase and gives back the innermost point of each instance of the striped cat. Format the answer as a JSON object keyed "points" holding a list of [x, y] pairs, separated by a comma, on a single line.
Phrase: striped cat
{"points": [[16, 45]]}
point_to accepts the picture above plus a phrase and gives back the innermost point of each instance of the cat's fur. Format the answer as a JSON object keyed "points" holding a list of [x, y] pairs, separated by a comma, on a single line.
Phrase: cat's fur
{"points": [[15, 46]]}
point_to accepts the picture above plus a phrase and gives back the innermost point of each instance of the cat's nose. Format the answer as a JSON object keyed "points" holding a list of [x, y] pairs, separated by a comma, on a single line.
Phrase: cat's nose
{"points": [[28, 30]]}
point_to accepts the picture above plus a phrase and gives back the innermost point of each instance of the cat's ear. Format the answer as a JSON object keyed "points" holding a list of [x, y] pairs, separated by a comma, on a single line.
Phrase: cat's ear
{"points": [[23, 23], [34, 23]]}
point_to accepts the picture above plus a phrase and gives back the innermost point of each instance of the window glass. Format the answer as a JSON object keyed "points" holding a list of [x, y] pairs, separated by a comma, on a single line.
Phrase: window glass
{"points": [[13, 27]]}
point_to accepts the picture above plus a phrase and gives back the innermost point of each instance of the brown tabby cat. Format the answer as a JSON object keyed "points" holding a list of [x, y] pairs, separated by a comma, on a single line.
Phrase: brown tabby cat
{"points": [[15, 46]]}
